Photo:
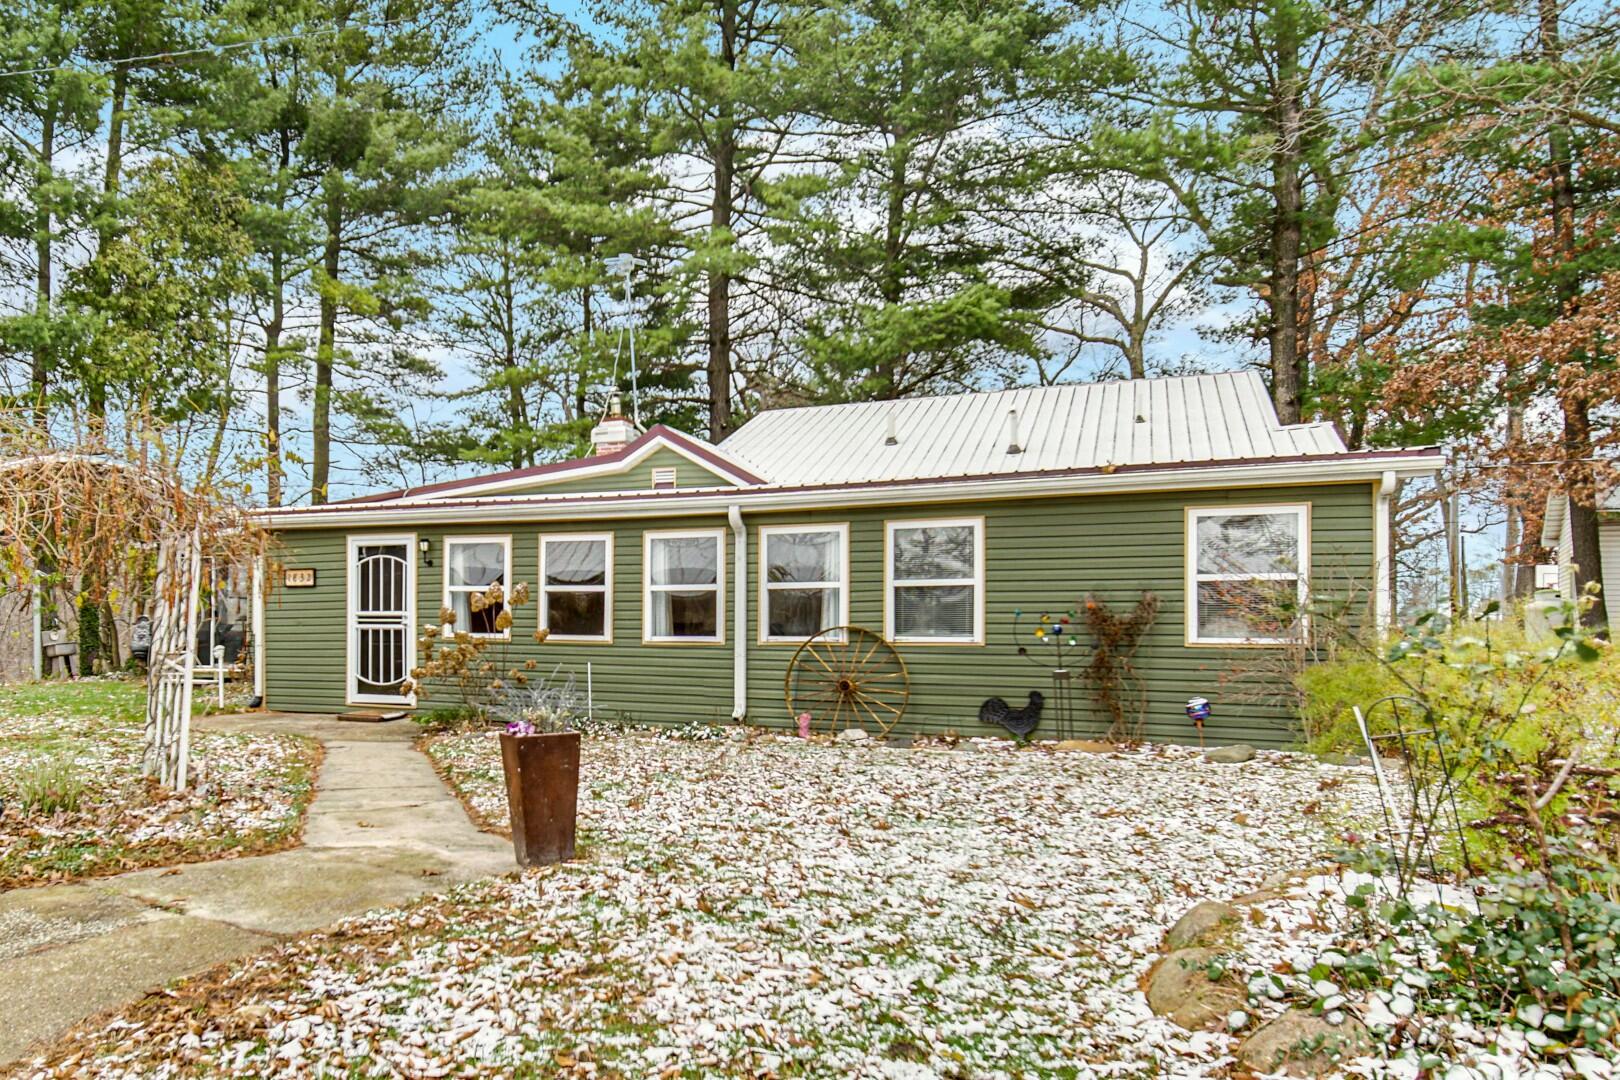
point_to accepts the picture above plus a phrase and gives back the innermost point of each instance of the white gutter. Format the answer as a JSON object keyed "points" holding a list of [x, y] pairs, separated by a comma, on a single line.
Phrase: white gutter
{"points": [[1383, 600], [739, 601], [555, 508]]}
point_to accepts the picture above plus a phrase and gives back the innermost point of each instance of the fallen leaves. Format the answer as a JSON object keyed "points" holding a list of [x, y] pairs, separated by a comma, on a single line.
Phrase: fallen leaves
{"points": [[250, 795], [767, 907]]}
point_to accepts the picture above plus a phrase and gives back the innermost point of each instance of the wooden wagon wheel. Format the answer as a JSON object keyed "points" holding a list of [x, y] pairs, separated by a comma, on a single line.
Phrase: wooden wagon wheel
{"points": [[848, 676]]}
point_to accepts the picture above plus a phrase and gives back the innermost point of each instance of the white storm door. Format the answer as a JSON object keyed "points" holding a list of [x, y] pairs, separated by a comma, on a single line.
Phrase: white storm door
{"points": [[382, 597]]}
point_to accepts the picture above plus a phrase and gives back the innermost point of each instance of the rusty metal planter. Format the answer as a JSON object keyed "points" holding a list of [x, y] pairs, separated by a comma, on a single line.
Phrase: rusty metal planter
{"points": [[542, 788]]}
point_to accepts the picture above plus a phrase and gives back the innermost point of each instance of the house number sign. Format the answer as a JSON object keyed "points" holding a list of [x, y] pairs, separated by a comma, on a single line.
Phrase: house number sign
{"points": [[299, 578]]}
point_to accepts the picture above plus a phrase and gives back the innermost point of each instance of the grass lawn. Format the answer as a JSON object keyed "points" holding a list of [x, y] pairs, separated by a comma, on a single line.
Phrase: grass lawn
{"points": [[84, 739], [772, 908]]}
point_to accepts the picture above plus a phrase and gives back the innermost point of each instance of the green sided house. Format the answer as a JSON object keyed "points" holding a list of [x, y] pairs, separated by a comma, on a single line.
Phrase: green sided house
{"points": [[683, 576]]}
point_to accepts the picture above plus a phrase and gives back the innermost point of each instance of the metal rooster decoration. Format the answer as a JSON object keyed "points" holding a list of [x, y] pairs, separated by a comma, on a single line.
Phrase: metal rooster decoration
{"points": [[1018, 721]]}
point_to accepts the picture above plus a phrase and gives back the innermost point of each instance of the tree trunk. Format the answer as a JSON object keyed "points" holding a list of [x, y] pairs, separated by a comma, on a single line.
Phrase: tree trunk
{"points": [[272, 379], [272, 337], [588, 326], [1287, 378], [326, 349], [517, 409], [1580, 480], [95, 390], [40, 375], [720, 225], [891, 284], [1449, 508]]}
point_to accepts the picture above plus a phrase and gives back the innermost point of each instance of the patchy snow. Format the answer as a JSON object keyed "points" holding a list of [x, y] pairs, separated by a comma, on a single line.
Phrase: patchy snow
{"points": [[250, 797], [777, 907]]}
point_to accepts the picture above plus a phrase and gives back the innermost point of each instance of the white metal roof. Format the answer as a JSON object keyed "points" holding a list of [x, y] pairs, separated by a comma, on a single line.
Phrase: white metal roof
{"points": [[1195, 418]]}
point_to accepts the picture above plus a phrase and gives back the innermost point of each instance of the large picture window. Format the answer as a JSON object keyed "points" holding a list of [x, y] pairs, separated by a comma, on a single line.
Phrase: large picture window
{"points": [[803, 577], [576, 586], [936, 581], [471, 565], [683, 582], [1246, 574]]}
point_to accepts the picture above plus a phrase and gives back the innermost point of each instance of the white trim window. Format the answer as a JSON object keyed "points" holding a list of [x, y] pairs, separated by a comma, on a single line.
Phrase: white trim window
{"points": [[935, 573], [472, 564], [803, 580], [1246, 569], [683, 586], [576, 586]]}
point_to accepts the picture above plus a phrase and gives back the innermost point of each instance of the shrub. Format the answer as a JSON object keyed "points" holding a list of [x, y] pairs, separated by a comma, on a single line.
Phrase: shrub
{"points": [[50, 786], [482, 669], [1529, 740]]}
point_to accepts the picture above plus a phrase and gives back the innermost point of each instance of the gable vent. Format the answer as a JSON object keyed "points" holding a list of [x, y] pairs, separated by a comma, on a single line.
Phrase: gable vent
{"points": [[663, 478]]}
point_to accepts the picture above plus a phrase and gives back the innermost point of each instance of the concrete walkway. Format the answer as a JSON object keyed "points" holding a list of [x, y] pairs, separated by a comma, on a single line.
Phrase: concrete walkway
{"points": [[382, 829]]}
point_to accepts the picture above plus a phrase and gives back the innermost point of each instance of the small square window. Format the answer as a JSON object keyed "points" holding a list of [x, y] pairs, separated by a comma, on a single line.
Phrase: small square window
{"points": [[803, 577], [576, 586], [936, 581], [683, 582], [1246, 574], [472, 566]]}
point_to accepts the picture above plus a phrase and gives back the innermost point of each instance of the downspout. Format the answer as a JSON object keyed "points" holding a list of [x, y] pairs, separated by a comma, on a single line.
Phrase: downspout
{"points": [[739, 603], [258, 632], [1383, 601]]}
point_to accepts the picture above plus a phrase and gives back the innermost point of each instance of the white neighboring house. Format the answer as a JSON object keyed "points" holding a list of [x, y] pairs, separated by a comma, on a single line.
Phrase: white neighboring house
{"points": [[1555, 537]]}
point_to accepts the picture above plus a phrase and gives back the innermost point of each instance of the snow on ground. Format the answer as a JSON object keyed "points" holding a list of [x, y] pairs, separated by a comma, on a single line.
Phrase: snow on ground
{"points": [[251, 797], [771, 907]]}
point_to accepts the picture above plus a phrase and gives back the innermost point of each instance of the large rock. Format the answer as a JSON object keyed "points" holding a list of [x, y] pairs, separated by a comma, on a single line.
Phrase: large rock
{"points": [[1180, 988], [853, 735], [1230, 755], [1200, 924], [1299, 1043]]}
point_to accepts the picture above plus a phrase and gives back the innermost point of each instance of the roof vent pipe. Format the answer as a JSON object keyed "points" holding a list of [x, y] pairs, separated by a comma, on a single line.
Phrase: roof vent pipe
{"points": [[1012, 433], [890, 436]]}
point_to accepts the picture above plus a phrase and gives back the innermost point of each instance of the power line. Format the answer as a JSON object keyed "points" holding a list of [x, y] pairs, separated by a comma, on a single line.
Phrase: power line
{"points": [[202, 50]]}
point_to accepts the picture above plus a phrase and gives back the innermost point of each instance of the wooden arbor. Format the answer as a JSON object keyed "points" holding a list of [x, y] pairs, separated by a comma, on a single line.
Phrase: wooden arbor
{"points": [[87, 519]]}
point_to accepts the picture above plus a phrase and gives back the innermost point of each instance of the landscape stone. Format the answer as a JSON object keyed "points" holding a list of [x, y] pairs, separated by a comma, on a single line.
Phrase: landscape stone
{"points": [[1299, 1043], [1230, 755], [1335, 758], [1089, 746], [1200, 924], [853, 735], [1179, 987]]}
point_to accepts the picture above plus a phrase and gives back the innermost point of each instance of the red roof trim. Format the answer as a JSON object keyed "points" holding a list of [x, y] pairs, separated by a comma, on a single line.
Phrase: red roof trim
{"points": [[655, 433], [766, 490]]}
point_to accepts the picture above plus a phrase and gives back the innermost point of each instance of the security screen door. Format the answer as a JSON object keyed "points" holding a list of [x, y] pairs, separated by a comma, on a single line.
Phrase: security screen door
{"points": [[382, 593]]}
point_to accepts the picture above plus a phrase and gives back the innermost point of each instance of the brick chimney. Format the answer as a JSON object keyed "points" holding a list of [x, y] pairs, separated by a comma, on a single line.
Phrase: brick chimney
{"points": [[615, 431]]}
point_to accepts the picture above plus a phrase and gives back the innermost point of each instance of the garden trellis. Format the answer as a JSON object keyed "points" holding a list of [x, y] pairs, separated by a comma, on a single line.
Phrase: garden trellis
{"points": [[104, 525]]}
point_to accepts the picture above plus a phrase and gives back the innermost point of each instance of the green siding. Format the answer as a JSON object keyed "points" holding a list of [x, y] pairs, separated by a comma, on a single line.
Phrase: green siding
{"points": [[688, 474], [1040, 554]]}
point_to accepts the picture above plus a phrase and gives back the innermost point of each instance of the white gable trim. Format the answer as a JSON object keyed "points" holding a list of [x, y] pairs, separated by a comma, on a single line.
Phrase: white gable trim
{"points": [[584, 471]]}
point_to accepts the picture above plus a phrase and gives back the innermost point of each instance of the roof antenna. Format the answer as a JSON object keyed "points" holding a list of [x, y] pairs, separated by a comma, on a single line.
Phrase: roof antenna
{"points": [[890, 437], [626, 264], [1012, 432]]}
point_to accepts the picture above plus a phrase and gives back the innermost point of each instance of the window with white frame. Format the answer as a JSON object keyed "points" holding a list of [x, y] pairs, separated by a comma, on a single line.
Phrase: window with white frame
{"points": [[1246, 574], [683, 582], [803, 571], [576, 586], [936, 581], [471, 565]]}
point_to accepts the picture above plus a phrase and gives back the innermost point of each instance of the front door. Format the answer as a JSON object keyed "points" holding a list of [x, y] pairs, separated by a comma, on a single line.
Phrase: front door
{"points": [[382, 597]]}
